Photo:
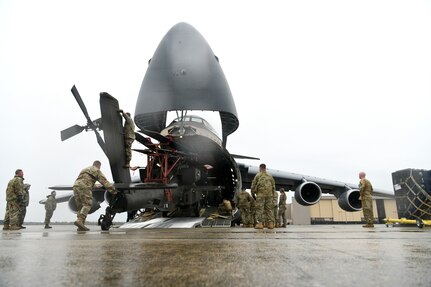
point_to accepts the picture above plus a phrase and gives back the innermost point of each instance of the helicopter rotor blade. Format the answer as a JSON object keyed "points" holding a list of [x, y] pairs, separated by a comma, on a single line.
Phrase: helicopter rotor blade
{"points": [[100, 141], [70, 132], [81, 103]]}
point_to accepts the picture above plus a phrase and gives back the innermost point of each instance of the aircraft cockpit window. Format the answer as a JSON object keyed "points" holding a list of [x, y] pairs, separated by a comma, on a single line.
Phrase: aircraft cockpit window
{"points": [[173, 130], [196, 120], [207, 124]]}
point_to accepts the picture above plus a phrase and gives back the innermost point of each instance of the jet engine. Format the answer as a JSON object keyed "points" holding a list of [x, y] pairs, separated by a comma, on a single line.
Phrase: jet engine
{"points": [[349, 200], [308, 193], [74, 208]]}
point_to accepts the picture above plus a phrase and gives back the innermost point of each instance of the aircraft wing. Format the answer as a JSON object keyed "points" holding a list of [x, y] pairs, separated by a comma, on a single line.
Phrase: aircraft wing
{"points": [[237, 156], [289, 181], [59, 198], [308, 189]]}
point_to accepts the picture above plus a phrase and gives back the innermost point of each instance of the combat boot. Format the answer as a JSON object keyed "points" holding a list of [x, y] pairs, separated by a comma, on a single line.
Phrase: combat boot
{"points": [[14, 227], [5, 227], [47, 226], [270, 225], [259, 226], [80, 223]]}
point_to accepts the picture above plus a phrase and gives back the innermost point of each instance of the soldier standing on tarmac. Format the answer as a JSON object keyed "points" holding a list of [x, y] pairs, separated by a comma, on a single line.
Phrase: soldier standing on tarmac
{"points": [[244, 203], [263, 188], [82, 191], [365, 191], [129, 136], [282, 208], [276, 222], [14, 194], [50, 206], [23, 205]]}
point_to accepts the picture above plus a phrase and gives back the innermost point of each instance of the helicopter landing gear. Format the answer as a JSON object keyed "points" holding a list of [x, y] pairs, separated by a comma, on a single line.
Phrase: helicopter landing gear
{"points": [[105, 220]]}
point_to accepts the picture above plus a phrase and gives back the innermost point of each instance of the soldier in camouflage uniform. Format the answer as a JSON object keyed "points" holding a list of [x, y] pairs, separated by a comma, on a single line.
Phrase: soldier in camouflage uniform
{"points": [[253, 212], [82, 191], [244, 201], [225, 208], [23, 205], [365, 191], [282, 208], [14, 194], [275, 202], [129, 136], [263, 188], [50, 206]]}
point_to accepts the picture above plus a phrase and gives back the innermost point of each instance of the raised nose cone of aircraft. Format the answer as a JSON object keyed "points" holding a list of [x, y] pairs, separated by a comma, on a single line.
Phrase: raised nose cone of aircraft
{"points": [[184, 74]]}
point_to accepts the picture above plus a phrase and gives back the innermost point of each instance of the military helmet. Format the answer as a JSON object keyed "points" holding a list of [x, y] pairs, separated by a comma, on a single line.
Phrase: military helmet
{"points": [[281, 189]]}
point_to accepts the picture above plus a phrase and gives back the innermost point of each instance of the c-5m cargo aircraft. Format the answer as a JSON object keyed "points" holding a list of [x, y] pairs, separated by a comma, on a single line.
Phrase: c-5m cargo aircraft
{"points": [[188, 165]]}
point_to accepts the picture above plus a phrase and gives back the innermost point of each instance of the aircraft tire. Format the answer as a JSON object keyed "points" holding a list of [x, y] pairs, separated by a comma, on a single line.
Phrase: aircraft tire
{"points": [[104, 223], [419, 223]]}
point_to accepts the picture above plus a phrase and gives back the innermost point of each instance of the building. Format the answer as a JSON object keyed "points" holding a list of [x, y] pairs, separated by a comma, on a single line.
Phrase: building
{"points": [[327, 211]]}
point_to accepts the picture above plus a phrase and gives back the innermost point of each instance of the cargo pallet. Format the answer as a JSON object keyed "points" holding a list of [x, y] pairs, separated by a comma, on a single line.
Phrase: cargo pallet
{"points": [[412, 189]]}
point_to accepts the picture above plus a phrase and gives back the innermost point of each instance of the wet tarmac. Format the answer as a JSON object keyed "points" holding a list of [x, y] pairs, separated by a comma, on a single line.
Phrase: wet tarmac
{"points": [[316, 255]]}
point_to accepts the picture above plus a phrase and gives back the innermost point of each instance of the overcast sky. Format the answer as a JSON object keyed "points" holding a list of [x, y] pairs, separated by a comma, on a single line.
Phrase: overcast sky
{"points": [[322, 88]]}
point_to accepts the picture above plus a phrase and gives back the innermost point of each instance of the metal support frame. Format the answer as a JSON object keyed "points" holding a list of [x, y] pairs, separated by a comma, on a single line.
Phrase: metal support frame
{"points": [[159, 157]]}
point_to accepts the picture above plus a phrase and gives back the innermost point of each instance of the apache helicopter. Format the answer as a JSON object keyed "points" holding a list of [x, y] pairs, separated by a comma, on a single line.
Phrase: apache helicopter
{"points": [[188, 166]]}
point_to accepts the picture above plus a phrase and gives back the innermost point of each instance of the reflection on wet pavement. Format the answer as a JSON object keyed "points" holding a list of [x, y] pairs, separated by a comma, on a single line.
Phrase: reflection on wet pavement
{"points": [[297, 255]]}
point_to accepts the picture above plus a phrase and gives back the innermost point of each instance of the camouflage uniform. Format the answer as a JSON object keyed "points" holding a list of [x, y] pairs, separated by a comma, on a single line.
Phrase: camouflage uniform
{"points": [[225, 208], [275, 202], [129, 137], [50, 206], [365, 190], [14, 195], [23, 204], [244, 203], [263, 188], [82, 191], [253, 212], [282, 209]]}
